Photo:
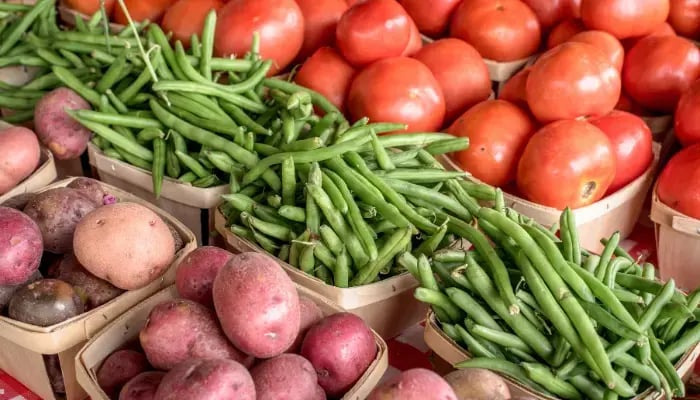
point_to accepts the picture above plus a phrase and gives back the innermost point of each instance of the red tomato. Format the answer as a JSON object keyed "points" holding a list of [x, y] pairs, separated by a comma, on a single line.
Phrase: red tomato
{"points": [[186, 18], [631, 141], [141, 10], [320, 19], [627, 104], [550, 12], [89, 7], [498, 132], [372, 30], [514, 90], [501, 30], [564, 31], [659, 69], [398, 89], [461, 72], [415, 42], [662, 30], [431, 17], [575, 8], [567, 163], [606, 43], [685, 17], [572, 80], [624, 18], [687, 116], [328, 73], [679, 182]]}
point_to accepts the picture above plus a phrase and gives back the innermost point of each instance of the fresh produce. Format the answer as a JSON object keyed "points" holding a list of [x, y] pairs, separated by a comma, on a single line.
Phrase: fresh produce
{"points": [[685, 124], [550, 12], [327, 73], [414, 384], [431, 18], [45, 302], [196, 273], [320, 21], [53, 370], [185, 18], [142, 10], [6, 291], [478, 384], [624, 19], [142, 387], [514, 89], [90, 7], [65, 137], [605, 42], [20, 158], [678, 185], [207, 379], [684, 17], [91, 189], [21, 245], [662, 30], [564, 31], [287, 376], [119, 368], [309, 315], [94, 290]]}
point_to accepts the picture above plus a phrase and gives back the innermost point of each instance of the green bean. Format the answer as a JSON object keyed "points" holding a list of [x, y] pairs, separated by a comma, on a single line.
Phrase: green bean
{"points": [[52, 58], [501, 338], [114, 100], [134, 160], [615, 265], [198, 88], [606, 256], [302, 145], [675, 327], [475, 347], [73, 58], [648, 272], [207, 45], [16, 103], [112, 153], [609, 322], [289, 184], [591, 263], [666, 367], [172, 164], [313, 213], [243, 119], [268, 228], [324, 273], [75, 84], [331, 239], [159, 155], [114, 138], [463, 197], [13, 8], [542, 375], [341, 270], [16, 32], [289, 87], [431, 244], [192, 164], [618, 251], [394, 245], [508, 368], [633, 282], [569, 235], [207, 181], [689, 339], [306, 258], [188, 177], [438, 299], [589, 388], [420, 176], [141, 81], [195, 47], [448, 146], [296, 246], [149, 134], [380, 153], [562, 348], [112, 74], [101, 40]]}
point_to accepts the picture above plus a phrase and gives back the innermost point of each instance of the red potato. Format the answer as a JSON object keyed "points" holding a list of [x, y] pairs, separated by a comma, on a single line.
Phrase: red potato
{"points": [[95, 290], [142, 387], [206, 380], [287, 376], [178, 330], [90, 188], [65, 137], [44, 303], [340, 347], [478, 384], [7, 291], [21, 246], [328, 73], [19, 157], [414, 384], [310, 315], [53, 370], [257, 305], [196, 273], [119, 368]]}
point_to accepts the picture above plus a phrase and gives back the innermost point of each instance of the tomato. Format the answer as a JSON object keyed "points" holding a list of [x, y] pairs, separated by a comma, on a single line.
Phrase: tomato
{"points": [[327, 73], [631, 141], [514, 90], [606, 43], [186, 18], [572, 80], [279, 23], [550, 12], [687, 116], [624, 18], [679, 182], [564, 31], [141, 10], [662, 30], [89, 7], [398, 89], [461, 72], [625, 103], [431, 17], [320, 19], [498, 132], [501, 30], [685, 17], [372, 30], [415, 42], [567, 163], [659, 69], [575, 8]]}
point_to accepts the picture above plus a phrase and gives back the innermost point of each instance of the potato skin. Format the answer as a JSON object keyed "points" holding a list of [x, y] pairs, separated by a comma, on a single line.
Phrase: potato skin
{"points": [[53, 370], [95, 290], [57, 212], [90, 188], [206, 380], [287, 376], [19, 157], [178, 330], [341, 347], [7, 291], [64, 136], [310, 314], [21, 246], [118, 368], [126, 244], [414, 384], [142, 387], [196, 273], [257, 305], [44, 303], [478, 384]]}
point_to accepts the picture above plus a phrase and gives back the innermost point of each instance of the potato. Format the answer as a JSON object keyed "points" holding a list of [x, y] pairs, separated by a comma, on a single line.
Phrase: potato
{"points": [[287, 376], [341, 347], [44, 303], [21, 247], [207, 380], [95, 290], [178, 330], [65, 137], [57, 212], [90, 188], [257, 305], [179, 243], [142, 387], [7, 291], [118, 368], [414, 384], [19, 157], [478, 384], [310, 314], [196, 273], [53, 370], [126, 244]]}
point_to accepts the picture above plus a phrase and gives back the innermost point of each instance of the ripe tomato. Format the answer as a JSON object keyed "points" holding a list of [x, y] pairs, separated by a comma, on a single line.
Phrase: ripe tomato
{"points": [[575, 8], [431, 17], [398, 89], [662, 30], [624, 18], [279, 23], [501, 30], [514, 90], [632, 145], [679, 182], [685, 17], [498, 132], [461, 72], [141, 10], [320, 19], [564, 31], [659, 69], [606, 43], [89, 7], [567, 163], [572, 80], [415, 42], [550, 12], [627, 104], [328, 73], [687, 116], [372, 30], [186, 18]]}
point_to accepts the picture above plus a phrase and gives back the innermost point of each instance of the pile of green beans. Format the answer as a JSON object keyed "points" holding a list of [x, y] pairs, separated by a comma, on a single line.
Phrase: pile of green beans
{"points": [[534, 306]]}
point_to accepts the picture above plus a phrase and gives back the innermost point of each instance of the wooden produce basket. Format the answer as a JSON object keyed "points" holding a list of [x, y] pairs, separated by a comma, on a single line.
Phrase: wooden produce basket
{"points": [[191, 205], [127, 327], [388, 306], [22, 346], [452, 353]]}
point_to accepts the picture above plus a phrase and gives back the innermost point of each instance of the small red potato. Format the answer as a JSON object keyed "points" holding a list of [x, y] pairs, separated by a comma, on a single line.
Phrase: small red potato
{"points": [[287, 376], [207, 380], [118, 369], [44, 303], [95, 290], [19, 156], [414, 384], [478, 384], [90, 188], [142, 387], [53, 370], [65, 137], [196, 273], [7, 291], [340, 347], [18, 202], [310, 315], [21, 246], [178, 330], [257, 305]]}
